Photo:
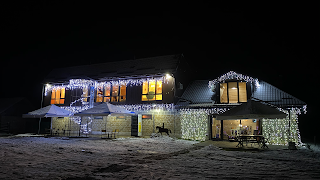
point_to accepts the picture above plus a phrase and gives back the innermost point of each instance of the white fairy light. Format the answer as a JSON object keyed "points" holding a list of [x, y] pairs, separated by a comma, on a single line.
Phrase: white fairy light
{"points": [[83, 83], [233, 75]]}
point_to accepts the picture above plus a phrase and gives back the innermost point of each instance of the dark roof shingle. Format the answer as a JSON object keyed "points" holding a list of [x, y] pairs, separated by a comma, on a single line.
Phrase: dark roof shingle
{"points": [[137, 67]]}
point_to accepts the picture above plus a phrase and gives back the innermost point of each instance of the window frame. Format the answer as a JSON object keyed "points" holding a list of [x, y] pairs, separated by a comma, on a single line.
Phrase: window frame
{"points": [[108, 94], [238, 92], [62, 96], [144, 96]]}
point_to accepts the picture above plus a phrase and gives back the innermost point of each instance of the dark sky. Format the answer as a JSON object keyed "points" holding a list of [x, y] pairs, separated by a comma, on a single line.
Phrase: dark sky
{"points": [[277, 43]]}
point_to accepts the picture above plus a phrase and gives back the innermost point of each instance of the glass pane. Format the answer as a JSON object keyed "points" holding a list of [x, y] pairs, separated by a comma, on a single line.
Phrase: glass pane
{"points": [[63, 92], [106, 99], [61, 101], [242, 92], [144, 98], [233, 92], [159, 87], [85, 94], [107, 91], [53, 101], [145, 87], [159, 97], [57, 101], [57, 96], [152, 87], [99, 94], [114, 99], [151, 97], [99, 98], [53, 94], [115, 90], [122, 98], [123, 90], [223, 93]]}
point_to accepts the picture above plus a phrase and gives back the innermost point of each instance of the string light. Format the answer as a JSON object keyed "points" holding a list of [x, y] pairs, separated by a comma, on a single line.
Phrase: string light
{"points": [[233, 75], [279, 132], [83, 83], [194, 124], [148, 107]]}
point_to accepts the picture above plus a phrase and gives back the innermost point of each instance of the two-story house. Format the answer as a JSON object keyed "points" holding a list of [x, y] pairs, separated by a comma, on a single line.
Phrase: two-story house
{"points": [[151, 87], [146, 86]]}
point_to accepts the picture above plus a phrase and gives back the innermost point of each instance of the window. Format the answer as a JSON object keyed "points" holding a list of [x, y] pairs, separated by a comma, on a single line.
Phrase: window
{"points": [[233, 92], [99, 94], [58, 96], [151, 91], [85, 94], [114, 93]]}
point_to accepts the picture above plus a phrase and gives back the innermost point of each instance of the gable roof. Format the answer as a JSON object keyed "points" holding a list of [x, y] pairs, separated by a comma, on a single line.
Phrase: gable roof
{"points": [[197, 92], [272, 95], [118, 69]]}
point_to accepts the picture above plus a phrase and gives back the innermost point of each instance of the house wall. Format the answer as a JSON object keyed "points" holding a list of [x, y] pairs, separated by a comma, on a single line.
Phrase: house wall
{"points": [[122, 123], [133, 95]]}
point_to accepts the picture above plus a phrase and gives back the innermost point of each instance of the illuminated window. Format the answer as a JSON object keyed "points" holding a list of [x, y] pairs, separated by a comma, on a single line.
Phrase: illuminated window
{"points": [[85, 94], [106, 94], [151, 90], [233, 92], [114, 93], [58, 96], [99, 94]]}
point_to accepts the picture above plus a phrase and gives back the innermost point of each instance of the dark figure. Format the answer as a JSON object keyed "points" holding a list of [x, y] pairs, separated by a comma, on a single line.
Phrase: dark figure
{"points": [[161, 130]]}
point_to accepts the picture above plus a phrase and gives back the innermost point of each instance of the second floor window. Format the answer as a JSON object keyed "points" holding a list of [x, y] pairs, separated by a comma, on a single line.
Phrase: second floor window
{"points": [[233, 92], [152, 90], [58, 96], [114, 93]]}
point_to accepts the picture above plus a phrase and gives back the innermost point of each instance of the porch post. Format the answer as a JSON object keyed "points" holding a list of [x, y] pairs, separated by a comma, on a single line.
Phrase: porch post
{"points": [[221, 130]]}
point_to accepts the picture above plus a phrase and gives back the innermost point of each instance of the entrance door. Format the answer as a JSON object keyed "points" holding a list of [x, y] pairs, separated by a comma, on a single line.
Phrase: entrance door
{"points": [[134, 126], [215, 129]]}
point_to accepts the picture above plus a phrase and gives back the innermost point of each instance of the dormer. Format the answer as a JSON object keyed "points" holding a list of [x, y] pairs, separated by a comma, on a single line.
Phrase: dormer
{"points": [[232, 88]]}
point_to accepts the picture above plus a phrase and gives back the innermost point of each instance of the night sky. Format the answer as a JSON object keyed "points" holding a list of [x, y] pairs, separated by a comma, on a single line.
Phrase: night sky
{"points": [[277, 43]]}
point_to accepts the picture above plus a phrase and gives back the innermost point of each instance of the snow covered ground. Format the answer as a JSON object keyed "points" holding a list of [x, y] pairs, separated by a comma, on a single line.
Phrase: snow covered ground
{"points": [[147, 158]]}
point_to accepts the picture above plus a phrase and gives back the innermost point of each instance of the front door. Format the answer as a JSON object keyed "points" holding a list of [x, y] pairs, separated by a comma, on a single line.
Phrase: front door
{"points": [[215, 129]]}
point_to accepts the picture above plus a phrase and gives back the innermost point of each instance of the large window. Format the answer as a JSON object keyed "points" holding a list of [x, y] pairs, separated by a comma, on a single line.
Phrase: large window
{"points": [[114, 93], [152, 90], [58, 95], [233, 92]]}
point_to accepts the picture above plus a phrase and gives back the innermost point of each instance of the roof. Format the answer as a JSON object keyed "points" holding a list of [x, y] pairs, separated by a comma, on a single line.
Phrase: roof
{"points": [[197, 92], [118, 69], [251, 110], [272, 95]]}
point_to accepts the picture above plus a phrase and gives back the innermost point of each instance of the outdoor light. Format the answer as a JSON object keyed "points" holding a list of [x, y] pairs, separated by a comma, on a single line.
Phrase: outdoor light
{"points": [[168, 76]]}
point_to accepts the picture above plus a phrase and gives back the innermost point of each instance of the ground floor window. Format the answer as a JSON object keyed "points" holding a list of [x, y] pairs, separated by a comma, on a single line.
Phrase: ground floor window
{"points": [[232, 128]]}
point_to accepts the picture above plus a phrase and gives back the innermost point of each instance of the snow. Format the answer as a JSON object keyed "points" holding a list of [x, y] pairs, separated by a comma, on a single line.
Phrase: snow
{"points": [[148, 158]]}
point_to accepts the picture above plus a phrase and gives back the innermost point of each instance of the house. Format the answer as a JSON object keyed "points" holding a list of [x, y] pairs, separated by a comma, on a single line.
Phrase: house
{"points": [[152, 88], [147, 86], [235, 103]]}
